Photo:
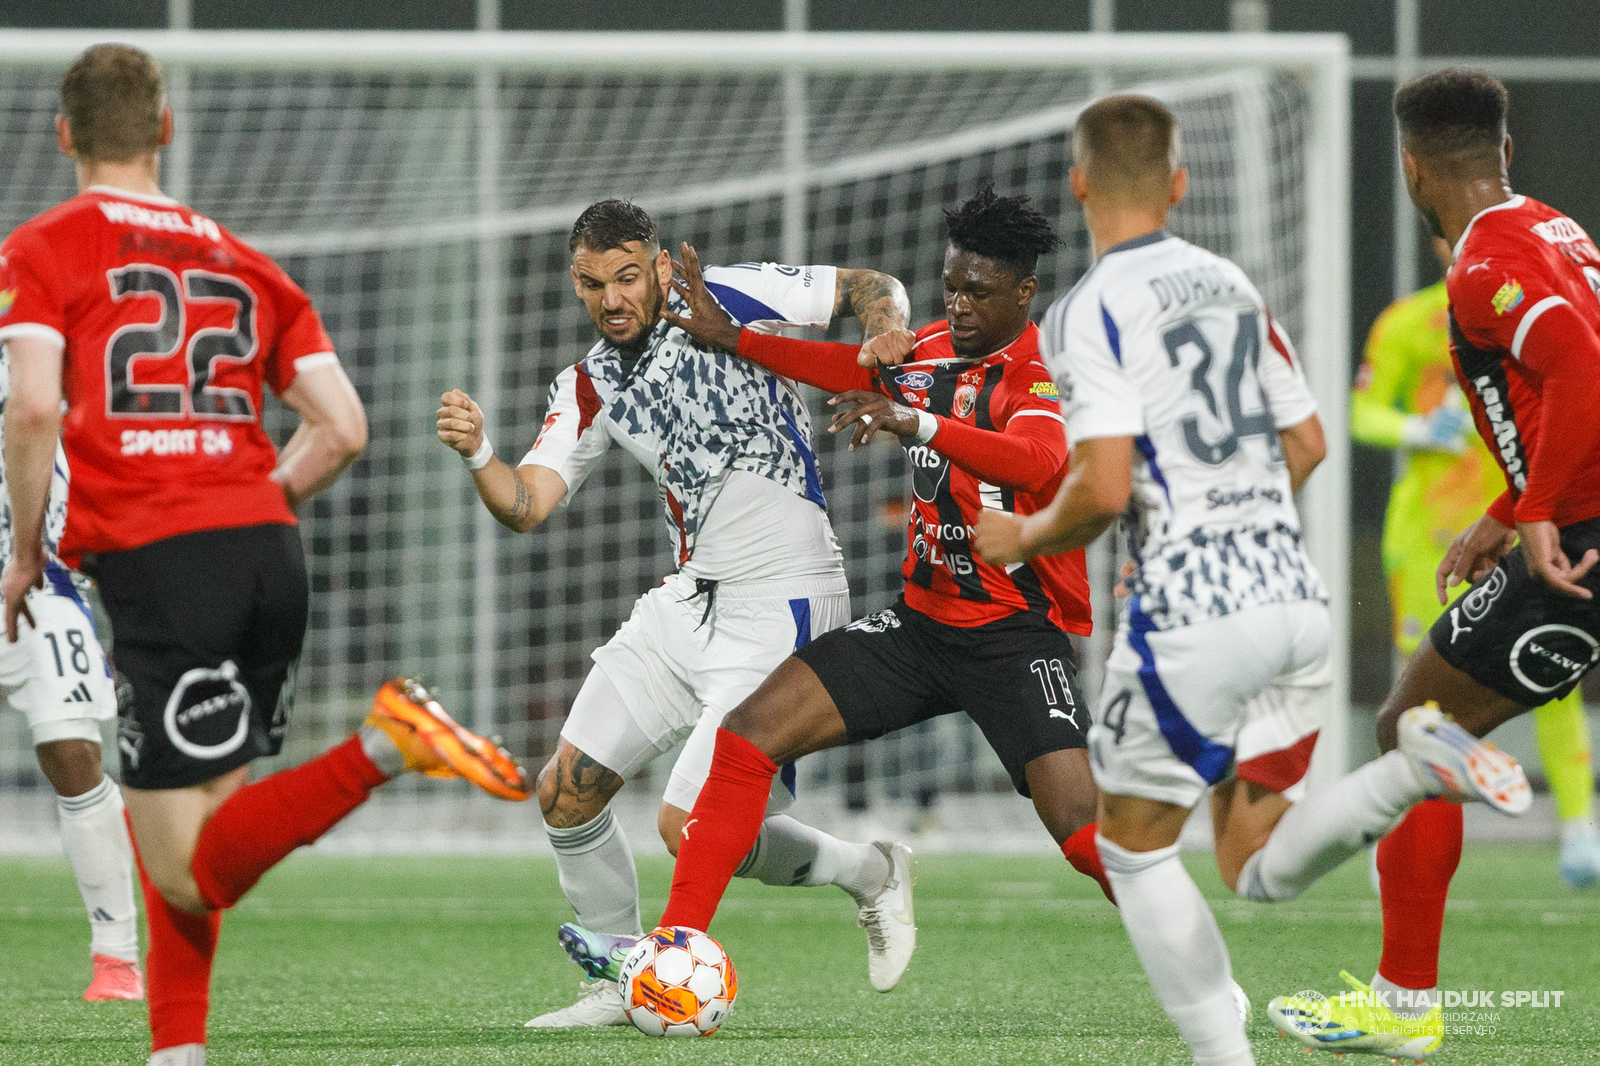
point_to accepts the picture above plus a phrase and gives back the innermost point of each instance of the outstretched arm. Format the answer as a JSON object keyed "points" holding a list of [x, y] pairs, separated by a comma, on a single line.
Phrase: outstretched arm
{"points": [[826, 365], [1094, 494], [1023, 457], [519, 497]]}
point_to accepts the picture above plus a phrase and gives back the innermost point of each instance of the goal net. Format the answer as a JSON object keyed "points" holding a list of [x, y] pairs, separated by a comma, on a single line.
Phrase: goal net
{"points": [[425, 207]]}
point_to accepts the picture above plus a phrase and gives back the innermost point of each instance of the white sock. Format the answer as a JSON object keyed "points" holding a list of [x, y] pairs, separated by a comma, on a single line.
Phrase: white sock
{"points": [[96, 841], [597, 875], [791, 853], [1177, 940], [1406, 1002], [1582, 825], [1330, 825], [383, 752], [182, 1055]]}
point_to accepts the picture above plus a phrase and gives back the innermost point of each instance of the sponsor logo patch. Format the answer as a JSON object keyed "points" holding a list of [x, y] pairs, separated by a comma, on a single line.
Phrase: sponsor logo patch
{"points": [[1508, 298], [915, 379], [1550, 656], [7, 298], [1047, 389], [208, 714]]}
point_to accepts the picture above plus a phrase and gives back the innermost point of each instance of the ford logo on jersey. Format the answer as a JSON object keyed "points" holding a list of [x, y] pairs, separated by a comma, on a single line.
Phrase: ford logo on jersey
{"points": [[916, 379]]}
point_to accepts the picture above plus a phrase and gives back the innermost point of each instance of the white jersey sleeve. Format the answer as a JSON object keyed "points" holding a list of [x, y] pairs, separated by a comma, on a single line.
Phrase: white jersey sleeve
{"points": [[1283, 381], [766, 297], [1081, 348], [574, 437]]}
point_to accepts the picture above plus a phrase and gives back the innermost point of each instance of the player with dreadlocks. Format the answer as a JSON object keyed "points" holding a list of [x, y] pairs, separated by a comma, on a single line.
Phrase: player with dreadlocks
{"points": [[977, 414]]}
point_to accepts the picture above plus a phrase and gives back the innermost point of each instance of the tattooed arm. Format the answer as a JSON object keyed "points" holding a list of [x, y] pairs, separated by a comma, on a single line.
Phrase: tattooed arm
{"points": [[519, 497], [877, 299]]}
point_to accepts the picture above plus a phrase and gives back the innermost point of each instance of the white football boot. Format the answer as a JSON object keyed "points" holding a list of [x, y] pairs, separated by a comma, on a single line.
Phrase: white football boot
{"points": [[181, 1055], [888, 919], [1454, 764], [599, 1005]]}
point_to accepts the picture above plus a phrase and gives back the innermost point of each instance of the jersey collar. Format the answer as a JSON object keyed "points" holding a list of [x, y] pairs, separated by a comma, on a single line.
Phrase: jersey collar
{"points": [[126, 194], [1154, 237], [1507, 205]]}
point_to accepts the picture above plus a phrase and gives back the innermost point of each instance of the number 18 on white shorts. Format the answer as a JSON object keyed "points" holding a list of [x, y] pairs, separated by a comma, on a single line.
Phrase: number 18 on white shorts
{"points": [[56, 673]]}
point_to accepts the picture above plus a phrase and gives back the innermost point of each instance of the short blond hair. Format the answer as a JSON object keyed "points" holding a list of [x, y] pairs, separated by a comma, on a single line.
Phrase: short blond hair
{"points": [[1127, 146], [113, 96]]}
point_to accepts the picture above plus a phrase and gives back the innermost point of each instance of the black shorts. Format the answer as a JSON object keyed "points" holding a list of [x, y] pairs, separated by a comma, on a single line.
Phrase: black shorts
{"points": [[208, 628], [1513, 633], [1016, 678]]}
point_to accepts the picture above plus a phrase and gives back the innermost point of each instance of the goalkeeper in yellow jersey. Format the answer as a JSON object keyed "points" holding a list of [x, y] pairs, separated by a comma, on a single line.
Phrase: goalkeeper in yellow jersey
{"points": [[1406, 399]]}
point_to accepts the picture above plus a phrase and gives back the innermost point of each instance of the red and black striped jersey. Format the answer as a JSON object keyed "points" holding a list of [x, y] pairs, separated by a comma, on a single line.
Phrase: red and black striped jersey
{"points": [[1001, 445], [1525, 339]]}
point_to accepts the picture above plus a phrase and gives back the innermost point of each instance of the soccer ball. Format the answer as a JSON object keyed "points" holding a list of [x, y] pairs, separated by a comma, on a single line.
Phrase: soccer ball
{"points": [[678, 982]]}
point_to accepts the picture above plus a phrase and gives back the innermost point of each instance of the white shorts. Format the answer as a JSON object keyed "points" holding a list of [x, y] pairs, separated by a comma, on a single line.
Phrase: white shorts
{"points": [[679, 672], [56, 673], [1186, 708]]}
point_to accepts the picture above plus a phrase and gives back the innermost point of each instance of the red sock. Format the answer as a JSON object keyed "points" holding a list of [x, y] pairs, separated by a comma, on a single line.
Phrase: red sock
{"points": [[1415, 863], [261, 823], [720, 831], [177, 967], [1085, 858]]}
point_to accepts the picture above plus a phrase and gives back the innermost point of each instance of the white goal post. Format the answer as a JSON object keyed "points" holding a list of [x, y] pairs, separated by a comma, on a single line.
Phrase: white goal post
{"points": [[420, 185]]}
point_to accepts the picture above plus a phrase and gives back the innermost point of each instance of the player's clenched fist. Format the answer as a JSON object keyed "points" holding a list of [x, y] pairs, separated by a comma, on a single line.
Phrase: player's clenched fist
{"points": [[890, 348], [460, 422]]}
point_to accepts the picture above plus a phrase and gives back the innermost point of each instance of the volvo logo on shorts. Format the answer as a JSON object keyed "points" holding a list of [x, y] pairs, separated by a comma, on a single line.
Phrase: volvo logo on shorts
{"points": [[208, 713], [1550, 656], [1476, 603]]}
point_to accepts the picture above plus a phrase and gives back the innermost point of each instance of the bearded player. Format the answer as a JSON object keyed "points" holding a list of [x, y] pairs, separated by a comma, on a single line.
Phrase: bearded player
{"points": [[159, 328], [1186, 412], [759, 575], [1525, 341], [56, 675], [1406, 399], [978, 417]]}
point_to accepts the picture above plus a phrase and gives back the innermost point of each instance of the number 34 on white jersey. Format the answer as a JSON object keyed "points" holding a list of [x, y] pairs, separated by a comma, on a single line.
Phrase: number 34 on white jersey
{"points": [[1171, 345]]}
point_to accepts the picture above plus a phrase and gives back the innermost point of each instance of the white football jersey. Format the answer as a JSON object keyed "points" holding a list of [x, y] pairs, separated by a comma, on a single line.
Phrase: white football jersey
{"points": [[1171, 345], [694, 416]]}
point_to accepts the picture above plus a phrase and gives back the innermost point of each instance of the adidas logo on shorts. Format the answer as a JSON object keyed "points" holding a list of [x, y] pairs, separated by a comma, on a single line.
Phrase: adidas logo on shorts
{"points": [[80, 694]]}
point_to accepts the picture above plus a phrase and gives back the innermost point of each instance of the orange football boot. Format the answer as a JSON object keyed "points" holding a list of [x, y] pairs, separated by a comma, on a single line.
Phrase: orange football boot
{"points": [[434, 744], [114, 979]]}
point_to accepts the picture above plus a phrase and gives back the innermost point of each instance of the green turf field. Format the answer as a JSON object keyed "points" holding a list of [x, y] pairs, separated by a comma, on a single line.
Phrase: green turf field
{"points": [[420, 961]]}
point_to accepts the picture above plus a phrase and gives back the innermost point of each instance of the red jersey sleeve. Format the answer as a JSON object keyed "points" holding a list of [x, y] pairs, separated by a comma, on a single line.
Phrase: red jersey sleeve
{"points": [[302, 343], [824, 364], [1561, 348], [32, 301], [1030, 447]]}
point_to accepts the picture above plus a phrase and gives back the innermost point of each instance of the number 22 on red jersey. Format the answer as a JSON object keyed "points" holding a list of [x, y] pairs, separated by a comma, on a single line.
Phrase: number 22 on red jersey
{"points": [[170, 327]]}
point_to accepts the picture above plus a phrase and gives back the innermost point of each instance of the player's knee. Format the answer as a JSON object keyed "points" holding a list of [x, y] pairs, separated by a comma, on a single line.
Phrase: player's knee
{"points": [[669, 823], [174, 880], [1064, 795], [573, 788], [72, 766]]}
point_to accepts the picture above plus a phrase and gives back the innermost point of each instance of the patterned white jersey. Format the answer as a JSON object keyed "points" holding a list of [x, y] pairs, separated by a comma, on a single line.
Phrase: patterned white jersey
{"points": [[1171, 345], [692, 415], [55, 518]]}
